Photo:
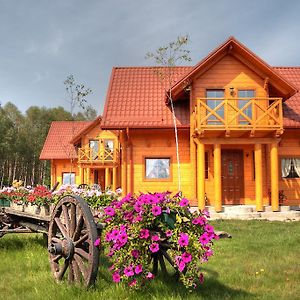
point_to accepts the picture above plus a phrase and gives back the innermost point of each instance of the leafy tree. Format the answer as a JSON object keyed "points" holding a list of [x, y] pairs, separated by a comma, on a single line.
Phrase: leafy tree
{"points": [[168, 57]]}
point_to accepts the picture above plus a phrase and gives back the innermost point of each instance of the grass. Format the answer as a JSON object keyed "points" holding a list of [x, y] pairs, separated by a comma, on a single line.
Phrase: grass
{"points": [[261, 261]]}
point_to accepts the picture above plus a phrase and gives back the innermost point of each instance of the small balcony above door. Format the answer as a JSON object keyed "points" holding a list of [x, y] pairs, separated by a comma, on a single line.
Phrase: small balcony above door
{"points": [[238, 117], [102, 152]]}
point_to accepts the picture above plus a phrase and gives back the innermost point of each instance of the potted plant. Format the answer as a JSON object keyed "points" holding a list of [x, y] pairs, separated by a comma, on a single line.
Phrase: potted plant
{"points": [[143, 230]]}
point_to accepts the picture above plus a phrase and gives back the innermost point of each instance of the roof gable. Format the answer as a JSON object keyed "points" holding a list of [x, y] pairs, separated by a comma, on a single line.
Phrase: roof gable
{"points": [[86, 129], [58, 141], [247, 57]]}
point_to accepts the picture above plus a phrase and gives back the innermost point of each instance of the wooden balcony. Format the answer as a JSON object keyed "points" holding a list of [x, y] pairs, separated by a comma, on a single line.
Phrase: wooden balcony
{"points": [[104, 157], [255, 117]]}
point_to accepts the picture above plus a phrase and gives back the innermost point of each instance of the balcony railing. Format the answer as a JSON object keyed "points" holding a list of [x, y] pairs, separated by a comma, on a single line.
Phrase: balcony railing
{"points": [[264, 114], [102, 156]]}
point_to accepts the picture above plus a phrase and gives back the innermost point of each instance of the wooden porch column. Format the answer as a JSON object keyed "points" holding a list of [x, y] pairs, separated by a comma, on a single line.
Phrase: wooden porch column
{"points": [[217, 177], [258, 177], [80, 174], [107, 177], [114, 180], [274, 177], [88, 173], [201, 175], [193, 168], [124, 165]]}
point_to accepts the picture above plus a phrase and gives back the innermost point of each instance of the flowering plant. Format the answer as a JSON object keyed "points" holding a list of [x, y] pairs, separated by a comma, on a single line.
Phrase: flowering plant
{"points": [[140, 230], [93, 196], [15, 194], [40, 196]]}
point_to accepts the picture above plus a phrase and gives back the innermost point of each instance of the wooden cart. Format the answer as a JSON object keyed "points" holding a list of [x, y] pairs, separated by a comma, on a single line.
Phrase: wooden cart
{"points": [[71, 232]]}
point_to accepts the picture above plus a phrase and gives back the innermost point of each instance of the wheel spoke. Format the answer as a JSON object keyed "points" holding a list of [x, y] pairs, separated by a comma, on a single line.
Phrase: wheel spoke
{"points": [[76, 271], [66, 217], [63, 270], [162, 263], [82, 268], [56, 258], [56, 240], [78, 227], [61, 227], [72, 218], [71, 273], [82, 253], [81, 240]]}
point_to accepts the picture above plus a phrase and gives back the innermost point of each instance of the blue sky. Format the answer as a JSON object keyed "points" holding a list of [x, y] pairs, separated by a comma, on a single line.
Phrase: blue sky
{"points": [[42, 42]]}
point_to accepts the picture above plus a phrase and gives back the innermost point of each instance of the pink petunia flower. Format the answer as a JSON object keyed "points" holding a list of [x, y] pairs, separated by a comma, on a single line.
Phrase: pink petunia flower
{"points": [[109, 211], [135, 253], [208, 228], [156, 210], [154, 247], [128, 271], [138, 269], [116, 277], [184, 202], [150, 276], [132, 283], [144, 233], [155, 238], [186, 257], [183, 240], [204, 239], [97, 243], [169, 233]]}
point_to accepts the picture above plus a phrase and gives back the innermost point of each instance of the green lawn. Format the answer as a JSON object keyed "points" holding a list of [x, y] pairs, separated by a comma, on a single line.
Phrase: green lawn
{"points": [[261, 261]]}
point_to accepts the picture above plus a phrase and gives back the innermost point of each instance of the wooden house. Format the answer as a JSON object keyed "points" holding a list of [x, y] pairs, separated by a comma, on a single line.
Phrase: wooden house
{"points": [[238, 122]]}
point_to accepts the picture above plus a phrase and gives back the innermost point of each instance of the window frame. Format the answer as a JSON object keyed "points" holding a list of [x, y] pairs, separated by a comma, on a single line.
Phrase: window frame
{"points": [[237, 104], [169, 179], [280, 167], [72, 173], [215, 121]]}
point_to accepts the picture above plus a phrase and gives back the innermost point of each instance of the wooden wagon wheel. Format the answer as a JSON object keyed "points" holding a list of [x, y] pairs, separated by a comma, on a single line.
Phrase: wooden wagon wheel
{"points": [[161, 257], [72, 233]]}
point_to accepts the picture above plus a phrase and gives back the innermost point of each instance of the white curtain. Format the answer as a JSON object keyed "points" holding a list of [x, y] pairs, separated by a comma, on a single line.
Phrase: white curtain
{"points": [[296, 162], [286, 166]]}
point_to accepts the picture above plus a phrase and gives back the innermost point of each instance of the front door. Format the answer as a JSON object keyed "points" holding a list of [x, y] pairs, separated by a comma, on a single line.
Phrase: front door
{"points": [[232, 176]]}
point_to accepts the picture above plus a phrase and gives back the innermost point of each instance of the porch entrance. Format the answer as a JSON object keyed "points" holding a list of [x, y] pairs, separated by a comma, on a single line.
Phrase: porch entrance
{"points": [[232, 177], [99, 177]]}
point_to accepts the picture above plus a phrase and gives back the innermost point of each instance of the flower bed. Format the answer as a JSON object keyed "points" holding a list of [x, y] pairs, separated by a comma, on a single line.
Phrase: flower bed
{"points": [[140, 229]]}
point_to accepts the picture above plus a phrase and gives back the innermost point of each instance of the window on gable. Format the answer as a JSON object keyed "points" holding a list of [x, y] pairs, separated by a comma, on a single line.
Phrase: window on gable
{"points": [[244, 97], [215, 98]]}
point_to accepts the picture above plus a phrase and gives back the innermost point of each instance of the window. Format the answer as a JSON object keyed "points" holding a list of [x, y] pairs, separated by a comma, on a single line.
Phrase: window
{"points": [[68, 178], [290, 167], [157, 168], [242, 104], [94, 146], [109, 145], [213, 103]]}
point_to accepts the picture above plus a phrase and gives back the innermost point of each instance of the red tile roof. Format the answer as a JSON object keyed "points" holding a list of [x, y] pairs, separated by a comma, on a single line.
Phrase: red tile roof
{"points": [[57, 144], [136, 97], [291, 107]]}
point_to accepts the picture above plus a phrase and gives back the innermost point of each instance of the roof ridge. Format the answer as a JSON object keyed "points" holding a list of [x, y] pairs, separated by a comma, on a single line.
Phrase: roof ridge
{"points": [[148, 67], [286, 67]]}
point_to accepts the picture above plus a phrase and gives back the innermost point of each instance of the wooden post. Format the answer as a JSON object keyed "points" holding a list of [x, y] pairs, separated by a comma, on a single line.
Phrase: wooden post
{"points": [[80, 174], [114, 181], [217, 177], [201, 175], [88, 172], [124, 165], [274, 177], [258, 177], [107, 178]]}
